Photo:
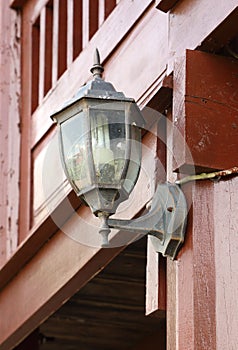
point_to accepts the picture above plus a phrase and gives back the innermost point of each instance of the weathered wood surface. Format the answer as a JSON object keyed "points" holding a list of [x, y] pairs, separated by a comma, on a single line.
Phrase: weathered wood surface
{"points": [[156, 265], [9, 130], [205, 273], [205, 111], [226, 249]]}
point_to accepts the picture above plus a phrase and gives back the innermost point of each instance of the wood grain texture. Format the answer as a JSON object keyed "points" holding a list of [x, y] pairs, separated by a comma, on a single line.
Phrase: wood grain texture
{"points": [[156, 265], [9, 130], [195, 275], [226, 252], [206, 111]]}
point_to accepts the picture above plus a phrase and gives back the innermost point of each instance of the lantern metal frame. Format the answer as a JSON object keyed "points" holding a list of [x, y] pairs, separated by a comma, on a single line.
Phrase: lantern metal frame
{"points": [[165, 221]]}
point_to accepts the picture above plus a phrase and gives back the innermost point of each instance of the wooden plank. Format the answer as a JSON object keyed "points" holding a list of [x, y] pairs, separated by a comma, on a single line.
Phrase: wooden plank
{"points": [[191, 289], [101, 12], [70, 28], [85, 24], [25, 174], [206, 96], [4, 78], [165, 5], [14, 135], [106, 39], [226, 248], [156, 265], [171, 277], [155, 282], [42, 49], [55, 41], [37, 41]]}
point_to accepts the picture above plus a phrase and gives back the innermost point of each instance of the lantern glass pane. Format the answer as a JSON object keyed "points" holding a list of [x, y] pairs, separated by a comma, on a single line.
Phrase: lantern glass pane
{"points": [[108, 132], [135, 160], [76, 151]]}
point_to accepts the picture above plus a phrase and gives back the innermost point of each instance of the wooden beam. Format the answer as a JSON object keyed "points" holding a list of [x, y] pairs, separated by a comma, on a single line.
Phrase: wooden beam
{"points": [[165, 5], [205, 112], [155, 282]]}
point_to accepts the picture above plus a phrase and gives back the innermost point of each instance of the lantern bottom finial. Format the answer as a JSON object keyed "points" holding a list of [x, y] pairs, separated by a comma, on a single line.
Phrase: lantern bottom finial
{"points": [[104, 229]]}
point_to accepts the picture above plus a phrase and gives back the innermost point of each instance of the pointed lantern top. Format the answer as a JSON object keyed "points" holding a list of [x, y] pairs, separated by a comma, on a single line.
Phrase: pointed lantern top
{"points": [[97, 69]]}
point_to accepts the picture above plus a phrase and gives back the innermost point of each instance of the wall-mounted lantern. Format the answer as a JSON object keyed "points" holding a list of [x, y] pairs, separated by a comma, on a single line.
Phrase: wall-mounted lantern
{"points": [[100, 147]]}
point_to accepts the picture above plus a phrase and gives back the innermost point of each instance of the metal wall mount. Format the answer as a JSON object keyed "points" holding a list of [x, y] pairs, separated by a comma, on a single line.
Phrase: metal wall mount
{"points": [[165, 222]]}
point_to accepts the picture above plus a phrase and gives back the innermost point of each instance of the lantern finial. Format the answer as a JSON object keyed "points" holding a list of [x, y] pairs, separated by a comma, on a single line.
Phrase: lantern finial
{"points": [[97, 69]]}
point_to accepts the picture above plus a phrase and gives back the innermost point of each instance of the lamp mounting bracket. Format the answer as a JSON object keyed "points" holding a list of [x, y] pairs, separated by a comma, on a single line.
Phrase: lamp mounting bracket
{"points": [[165, 222]]}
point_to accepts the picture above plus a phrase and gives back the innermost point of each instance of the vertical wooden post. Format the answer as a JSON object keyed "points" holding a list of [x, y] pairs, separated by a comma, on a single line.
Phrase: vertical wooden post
{"points": [[26, 108], [226, 248], [203, 279], [156, 264]]}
